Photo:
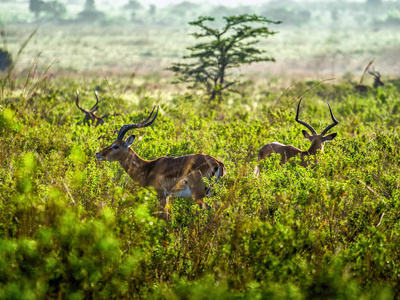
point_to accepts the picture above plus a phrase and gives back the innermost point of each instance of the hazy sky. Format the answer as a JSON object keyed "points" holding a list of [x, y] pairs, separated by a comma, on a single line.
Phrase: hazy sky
{"points": [[161, 3], [224, 2]]}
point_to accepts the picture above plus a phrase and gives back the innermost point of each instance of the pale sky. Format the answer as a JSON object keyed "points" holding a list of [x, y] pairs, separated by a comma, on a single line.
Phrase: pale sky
{"points": [[161, 3], [226, 2]]}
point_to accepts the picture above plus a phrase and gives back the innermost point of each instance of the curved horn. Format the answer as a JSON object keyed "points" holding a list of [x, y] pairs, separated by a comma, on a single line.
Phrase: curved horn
{"points": [[77, 100], [374, 73], [148, 118], [302, 122], [124, 129], [95, 107], [335, 122]]}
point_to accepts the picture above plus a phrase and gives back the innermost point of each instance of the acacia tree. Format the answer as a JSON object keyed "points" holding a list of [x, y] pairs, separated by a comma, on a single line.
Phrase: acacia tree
{"points": [[224, 49]]}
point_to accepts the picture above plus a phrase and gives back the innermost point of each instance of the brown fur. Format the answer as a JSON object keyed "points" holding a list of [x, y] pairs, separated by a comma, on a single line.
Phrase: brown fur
{"points": [[362, 88], [287, 152], [91, 117], [167, 175], [377, 82]]}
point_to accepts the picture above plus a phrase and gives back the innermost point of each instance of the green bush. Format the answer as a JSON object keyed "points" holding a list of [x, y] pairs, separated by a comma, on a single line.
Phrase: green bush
{"points": [[72, 227]]}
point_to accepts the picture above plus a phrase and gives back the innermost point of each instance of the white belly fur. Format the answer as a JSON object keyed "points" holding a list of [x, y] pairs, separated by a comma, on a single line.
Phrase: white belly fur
{"points": [[186, 193]]}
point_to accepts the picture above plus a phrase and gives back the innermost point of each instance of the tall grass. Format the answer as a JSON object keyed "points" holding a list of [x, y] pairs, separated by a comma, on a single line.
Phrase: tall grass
{"points": [[75, 228]]}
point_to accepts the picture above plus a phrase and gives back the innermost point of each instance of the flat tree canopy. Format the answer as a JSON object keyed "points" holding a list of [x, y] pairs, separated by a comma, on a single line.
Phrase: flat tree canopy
{"points": [[225, 48]]}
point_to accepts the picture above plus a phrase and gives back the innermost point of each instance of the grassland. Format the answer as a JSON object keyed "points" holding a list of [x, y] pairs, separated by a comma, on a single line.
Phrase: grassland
{"points": [[335, 40], [74, 228]]}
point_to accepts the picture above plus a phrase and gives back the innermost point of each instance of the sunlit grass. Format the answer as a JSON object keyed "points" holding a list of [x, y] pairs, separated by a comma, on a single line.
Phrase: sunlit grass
{"points": [[72, 227]]}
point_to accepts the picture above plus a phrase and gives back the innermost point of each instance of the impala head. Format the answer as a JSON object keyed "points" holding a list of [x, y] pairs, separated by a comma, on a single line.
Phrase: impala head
{"points": [[377, 78], [317, 140], [117, 150], [90, 115]]}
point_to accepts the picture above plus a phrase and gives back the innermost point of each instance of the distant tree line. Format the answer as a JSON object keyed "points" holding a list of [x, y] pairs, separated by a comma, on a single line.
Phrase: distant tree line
{"points": [[57, 9]]}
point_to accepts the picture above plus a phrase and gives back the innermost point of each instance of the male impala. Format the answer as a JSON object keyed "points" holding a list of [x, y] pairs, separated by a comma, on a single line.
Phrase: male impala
{"points": [[287, 152], [169, 176], [377, 82], [377, 78], [90, 115]]}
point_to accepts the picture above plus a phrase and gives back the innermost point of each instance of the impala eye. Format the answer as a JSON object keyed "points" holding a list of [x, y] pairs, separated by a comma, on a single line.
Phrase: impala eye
{"points": [[115, 147]]}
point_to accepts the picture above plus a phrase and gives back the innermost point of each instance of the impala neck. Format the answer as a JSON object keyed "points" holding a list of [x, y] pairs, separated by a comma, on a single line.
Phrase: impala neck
{"points": [[315, 146], [135, 166]]}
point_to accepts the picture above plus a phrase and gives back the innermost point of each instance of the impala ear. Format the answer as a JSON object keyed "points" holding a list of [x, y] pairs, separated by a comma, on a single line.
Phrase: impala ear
{"points": [[129, 141], [330, 137], [307, 135]]}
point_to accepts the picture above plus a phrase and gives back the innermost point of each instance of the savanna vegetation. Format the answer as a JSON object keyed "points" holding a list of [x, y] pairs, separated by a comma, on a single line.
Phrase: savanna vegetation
{"points": [[75, 228], [230, 47]]}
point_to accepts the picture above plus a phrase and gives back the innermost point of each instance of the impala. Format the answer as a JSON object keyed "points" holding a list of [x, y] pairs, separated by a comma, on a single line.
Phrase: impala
{"points": [[169, 176], [377, 82], [377, 78], [287, 152], [90, 115]]}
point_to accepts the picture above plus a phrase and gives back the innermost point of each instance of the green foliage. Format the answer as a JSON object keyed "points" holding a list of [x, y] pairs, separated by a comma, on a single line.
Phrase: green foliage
{"points": [[71, 227], [393, 18], [55, 8], [223, 49]]}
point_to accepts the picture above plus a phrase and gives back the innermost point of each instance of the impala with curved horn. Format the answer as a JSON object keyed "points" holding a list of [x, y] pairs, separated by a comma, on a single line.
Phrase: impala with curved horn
{"points": [[90, 115], [287, 152], [377, 78], [169, 176]]}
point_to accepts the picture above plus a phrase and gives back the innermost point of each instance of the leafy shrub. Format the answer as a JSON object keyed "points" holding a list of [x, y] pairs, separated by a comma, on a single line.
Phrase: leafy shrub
{"points": [[72, 227]]}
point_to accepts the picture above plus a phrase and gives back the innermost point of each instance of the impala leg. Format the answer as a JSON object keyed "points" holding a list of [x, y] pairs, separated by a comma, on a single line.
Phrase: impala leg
{"points": [[164, 208], [198, 189], [203, 205]]}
